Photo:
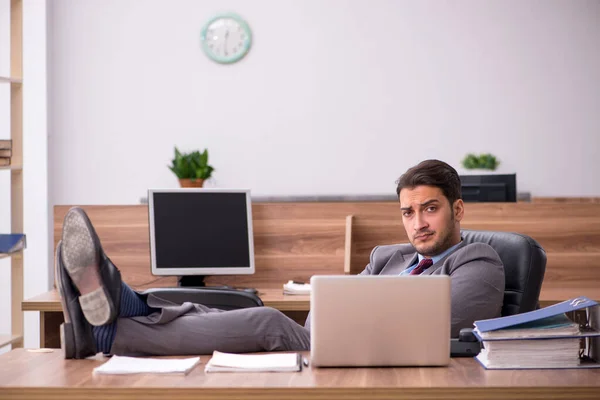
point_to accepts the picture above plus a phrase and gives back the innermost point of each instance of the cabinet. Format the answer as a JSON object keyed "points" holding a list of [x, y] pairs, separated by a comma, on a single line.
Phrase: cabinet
{"points": [[15, 81]]}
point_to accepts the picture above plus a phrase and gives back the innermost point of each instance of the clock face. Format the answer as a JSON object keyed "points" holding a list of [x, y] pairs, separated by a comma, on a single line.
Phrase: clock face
{"points": [[226, 38]]}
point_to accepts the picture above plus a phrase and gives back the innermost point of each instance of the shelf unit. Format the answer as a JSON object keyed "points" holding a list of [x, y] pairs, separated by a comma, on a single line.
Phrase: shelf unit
{"points": [[15, 80]]}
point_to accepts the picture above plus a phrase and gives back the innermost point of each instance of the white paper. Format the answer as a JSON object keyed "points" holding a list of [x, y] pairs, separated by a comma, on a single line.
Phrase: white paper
{"points": [[227, 362], [296, 288], [135, 365]]}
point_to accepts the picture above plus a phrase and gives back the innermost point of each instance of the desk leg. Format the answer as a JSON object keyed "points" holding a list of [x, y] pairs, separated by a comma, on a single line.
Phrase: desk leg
{"points": [[50, 329]]}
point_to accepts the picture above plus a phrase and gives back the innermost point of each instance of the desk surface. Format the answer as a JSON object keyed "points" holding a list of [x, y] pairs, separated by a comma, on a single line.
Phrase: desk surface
{"points": [[25, 374], [50, 301], [275, 298]]}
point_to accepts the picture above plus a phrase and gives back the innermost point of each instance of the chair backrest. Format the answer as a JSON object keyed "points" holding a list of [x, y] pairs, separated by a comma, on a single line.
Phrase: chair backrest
{"points": [[223, 299], [524, 266]]}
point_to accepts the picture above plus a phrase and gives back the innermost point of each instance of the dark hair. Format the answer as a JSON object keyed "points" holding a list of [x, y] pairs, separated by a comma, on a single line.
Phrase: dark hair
{"points": [[432, 173]]}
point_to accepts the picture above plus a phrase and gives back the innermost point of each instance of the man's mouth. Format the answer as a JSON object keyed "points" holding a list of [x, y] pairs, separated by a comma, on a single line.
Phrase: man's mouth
{"points": [[423, 236]]}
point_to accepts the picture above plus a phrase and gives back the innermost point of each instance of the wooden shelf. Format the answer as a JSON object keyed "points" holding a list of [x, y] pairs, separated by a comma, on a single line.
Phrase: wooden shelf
{"points": [[5, 79], [14, 167], [13, 254], [5, 340]]}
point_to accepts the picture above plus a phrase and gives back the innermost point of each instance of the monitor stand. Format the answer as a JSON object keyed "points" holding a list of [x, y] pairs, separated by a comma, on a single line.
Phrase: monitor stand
{"points": [[191, 281]]}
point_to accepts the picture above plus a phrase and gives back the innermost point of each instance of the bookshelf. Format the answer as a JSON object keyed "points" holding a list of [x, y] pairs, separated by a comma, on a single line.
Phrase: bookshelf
{"points": [[15, 80]]}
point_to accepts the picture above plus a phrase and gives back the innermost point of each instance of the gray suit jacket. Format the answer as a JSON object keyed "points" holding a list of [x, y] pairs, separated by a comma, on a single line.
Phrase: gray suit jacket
{"points": [[475, 269]]}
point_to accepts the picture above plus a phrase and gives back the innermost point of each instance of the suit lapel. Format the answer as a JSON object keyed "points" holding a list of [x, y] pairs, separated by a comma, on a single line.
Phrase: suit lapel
{"points": [[398, 263]]}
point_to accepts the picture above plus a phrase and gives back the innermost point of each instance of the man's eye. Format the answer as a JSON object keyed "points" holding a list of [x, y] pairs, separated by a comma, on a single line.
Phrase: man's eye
{"points": [[431, 209], [407, 213]]}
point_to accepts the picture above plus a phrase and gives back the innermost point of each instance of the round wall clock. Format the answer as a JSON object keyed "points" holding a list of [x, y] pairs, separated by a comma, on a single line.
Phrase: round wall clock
{"points": [[226, 38]]}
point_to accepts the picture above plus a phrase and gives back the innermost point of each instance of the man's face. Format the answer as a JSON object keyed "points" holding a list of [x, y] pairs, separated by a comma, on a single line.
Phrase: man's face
{"points": [[431, 222]]}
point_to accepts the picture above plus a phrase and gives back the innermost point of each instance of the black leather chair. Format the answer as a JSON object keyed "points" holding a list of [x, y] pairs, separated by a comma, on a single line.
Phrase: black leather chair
{"points": [[224, 299], [524, 266]]}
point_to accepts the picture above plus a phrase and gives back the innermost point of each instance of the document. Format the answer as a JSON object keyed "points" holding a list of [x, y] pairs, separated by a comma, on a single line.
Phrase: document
{"points": [[137, 365], [296, 288], [279, 362], [544, 338]]}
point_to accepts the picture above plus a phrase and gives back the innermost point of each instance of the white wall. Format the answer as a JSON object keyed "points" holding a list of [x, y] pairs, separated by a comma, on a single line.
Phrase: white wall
{"points": [[335, 97], [35, 156]]}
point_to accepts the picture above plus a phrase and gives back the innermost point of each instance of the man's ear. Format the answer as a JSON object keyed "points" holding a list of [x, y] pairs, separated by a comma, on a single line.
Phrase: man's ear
{"points": [[459, 209]]}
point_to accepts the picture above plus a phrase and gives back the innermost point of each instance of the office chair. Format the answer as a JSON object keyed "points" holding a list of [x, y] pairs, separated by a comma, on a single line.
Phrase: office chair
{"points": [[524, 266], [223, 299]]}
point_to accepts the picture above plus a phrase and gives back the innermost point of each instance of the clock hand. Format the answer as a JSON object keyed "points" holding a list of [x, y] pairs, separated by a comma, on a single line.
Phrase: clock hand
{"points": [[225, 44]]}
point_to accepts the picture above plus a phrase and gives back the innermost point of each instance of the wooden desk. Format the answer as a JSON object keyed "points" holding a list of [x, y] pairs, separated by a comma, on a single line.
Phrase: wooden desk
{"points": [[296, 307], [49, 376], [48, 304]]}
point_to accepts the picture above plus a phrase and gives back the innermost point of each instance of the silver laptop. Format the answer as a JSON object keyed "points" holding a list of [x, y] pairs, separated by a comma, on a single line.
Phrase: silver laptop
{"points": [[380, 320]]}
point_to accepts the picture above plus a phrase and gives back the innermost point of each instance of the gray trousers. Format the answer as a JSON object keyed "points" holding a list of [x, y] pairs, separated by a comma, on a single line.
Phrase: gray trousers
{"points": [[194, 329]]}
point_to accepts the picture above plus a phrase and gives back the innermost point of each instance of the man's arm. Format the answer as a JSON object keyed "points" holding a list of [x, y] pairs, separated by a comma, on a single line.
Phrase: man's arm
{"points": [[478, 283]]}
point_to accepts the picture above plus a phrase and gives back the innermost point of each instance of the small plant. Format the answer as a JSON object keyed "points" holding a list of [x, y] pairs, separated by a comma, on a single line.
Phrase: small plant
{"points": [[192, 165], [483, 161]]}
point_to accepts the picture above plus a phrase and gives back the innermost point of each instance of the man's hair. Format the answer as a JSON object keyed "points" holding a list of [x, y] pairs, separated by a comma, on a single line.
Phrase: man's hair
{"points": [[432, 173]]}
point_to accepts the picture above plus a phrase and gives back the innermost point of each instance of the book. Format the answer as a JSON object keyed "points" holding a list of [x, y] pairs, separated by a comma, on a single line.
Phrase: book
{"points": [[6, 153], [4, 161], [279, 362], [292, 287], [12, 242], [120, 365], [5, 144], [539, 339]]}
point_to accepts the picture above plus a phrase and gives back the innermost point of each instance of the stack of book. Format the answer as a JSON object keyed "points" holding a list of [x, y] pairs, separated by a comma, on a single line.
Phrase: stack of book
{"points": [[5, 152], [544, 338]]}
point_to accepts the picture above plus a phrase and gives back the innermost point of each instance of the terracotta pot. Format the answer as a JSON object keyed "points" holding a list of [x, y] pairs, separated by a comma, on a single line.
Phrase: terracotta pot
{"points": [[191, 182]]}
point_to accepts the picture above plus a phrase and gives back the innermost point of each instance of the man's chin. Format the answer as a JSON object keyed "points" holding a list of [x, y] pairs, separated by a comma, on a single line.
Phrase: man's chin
{"points": [[427, 251]]}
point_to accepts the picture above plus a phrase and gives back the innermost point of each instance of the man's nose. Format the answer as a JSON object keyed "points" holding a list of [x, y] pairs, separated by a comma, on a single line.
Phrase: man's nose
{"points": [[420, 223]]}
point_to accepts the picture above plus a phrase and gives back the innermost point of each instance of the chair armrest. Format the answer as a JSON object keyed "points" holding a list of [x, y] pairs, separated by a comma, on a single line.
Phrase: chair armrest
{"points": [[223, 299]]}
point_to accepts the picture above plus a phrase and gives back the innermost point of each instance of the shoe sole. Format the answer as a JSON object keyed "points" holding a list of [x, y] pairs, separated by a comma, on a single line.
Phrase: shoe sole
{"points": [[82, 251]]}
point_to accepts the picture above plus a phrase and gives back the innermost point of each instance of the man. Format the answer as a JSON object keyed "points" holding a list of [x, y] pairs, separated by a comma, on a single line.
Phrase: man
{"points": [[103, 314], [431, 207]]}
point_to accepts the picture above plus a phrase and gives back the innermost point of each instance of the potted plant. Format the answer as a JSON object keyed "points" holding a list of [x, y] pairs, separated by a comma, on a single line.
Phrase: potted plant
{"points": [[482, 161], [192, 169]]}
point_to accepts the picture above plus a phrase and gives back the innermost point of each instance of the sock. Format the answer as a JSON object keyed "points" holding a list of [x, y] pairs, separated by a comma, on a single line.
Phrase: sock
{"points": [[105, 336], [132, 305]]}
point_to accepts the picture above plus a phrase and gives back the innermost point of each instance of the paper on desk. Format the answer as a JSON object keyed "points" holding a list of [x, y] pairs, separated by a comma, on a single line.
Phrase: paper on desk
{"points": [[135, 365], [296, 288], [279, 362]]}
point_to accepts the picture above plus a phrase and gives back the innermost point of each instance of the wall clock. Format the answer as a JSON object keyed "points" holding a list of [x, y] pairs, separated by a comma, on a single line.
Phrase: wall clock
{"points": [[226, 38]]}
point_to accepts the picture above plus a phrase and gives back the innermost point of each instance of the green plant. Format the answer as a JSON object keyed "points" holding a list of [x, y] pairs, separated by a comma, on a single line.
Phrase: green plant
{"points": [[483, 161], [192, 165]]}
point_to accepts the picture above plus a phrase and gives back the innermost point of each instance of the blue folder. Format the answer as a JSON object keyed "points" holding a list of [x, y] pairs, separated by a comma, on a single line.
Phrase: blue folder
{"points": [[538, 323], [12, 242], [515, 321]]}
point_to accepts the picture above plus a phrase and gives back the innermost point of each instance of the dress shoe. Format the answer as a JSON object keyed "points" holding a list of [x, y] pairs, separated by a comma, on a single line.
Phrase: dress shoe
{"points": [[76, 336], [96, 278]]}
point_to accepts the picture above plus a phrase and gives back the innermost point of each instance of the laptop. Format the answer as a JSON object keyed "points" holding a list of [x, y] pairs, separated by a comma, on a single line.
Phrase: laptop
{"points": [[363, 321]]}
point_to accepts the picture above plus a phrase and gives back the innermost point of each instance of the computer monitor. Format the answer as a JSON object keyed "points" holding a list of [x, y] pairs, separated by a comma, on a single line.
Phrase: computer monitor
{"points": [[200, 232], [489, 188]]}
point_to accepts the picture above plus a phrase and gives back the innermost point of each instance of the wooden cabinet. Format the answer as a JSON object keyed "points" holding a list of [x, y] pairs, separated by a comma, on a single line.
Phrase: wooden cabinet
{"points": [[15, 169]]}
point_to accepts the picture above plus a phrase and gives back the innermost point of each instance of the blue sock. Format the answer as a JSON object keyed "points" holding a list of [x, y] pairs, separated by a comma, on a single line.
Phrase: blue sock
{"points": [[132, 305]]}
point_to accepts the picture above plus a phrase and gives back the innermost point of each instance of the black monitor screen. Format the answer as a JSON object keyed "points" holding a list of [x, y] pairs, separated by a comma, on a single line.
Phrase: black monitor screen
{"points": [[201, 232], [489, 188]]}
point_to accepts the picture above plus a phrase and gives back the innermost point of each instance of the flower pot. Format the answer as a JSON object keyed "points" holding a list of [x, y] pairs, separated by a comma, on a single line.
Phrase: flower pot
{"points": [[191, 182]]}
